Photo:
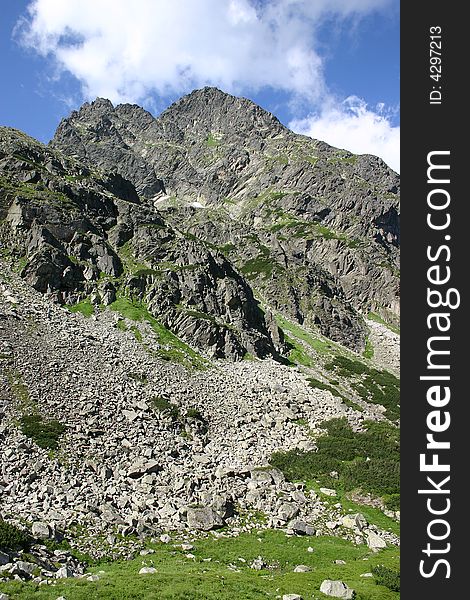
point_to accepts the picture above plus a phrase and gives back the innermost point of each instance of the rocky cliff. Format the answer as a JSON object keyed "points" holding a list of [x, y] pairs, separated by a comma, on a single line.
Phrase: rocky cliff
{"points": [[313, 230]]}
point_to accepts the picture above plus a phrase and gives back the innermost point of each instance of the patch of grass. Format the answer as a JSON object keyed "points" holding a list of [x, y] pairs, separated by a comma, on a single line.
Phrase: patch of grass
{"points": [[259, 266], [165, 406], [372, 385], [390, 578], [13, 538], [378, 319], [297, 354], [317, 344], [170, 348], [225, 576], [84, 306], [45, 433], [368, 350], [368, 460], [137, 334], [212, 141], [315, 383], [121, 324]]}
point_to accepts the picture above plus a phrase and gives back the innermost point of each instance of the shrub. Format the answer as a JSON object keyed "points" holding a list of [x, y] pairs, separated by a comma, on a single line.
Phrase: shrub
{"points": [[387, 577], [367, 460], [46, 434], [163, 405], [12, 538]]}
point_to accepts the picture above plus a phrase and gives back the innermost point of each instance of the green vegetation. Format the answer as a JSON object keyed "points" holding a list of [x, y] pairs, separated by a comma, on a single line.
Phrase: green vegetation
{"points": [[378, 319], [12, 538], [46, 433], [390, 578], [225, 576], [84, 306], [212, 141], [165, 406], [36, 192], [297, 355], [372, 385], [368, 460], [315, 383], [171, 347], [319, 345], [368, 350]]}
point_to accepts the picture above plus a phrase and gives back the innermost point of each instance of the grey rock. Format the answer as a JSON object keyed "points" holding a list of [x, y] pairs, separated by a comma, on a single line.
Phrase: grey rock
{"points": [[375, 542], [291, 597], [301, 527], [64, 572], [41, 530], [204, 519], [337, 589], [302, 569], [352, 521], [147, 570]]}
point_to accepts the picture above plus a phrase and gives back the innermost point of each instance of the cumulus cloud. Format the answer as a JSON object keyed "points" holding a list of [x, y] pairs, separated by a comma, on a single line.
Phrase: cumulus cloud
{"points": [[132, 51], [356, 127], [126, 50]]}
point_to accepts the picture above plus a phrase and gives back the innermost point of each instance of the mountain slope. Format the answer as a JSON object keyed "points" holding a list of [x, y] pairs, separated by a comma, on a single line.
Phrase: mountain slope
{"points": [[313, 228]]}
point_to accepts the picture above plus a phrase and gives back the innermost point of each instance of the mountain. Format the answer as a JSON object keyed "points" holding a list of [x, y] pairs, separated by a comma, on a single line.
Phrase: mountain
{"points": [[313, 230], [198, 330]]}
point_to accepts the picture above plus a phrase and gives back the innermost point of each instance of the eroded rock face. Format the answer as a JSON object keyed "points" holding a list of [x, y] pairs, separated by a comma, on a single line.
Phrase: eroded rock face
{"points": [[89, 236], [314, 229]]}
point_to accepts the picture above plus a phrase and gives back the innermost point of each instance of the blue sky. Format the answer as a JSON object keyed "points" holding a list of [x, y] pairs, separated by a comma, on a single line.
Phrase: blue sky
{"points": [[326, 68]]}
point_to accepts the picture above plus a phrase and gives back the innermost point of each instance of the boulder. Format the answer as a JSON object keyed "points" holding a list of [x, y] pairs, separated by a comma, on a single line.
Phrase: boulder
{"points": [[375, 542], [337, 589], [41, 530], [146, 570], [301, 527], [353, 521], [302, 569], [204, 519]]}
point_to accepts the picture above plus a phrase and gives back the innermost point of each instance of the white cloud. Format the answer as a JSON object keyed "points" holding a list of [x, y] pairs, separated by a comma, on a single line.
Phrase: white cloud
{"points": [[129, 51], [356, 127], [124, 50]]}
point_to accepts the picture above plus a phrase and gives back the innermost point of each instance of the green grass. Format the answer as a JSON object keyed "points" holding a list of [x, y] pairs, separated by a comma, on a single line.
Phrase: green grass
{"points": [[211, 141], [84, 306], [297, 355], [260, 266], [165, 406], [368, 350], [171, 347], [181, 578], [315, 383], [375, 317], [317, 344], [345, 451], [389, 578], [372, 385], [44, 432]]}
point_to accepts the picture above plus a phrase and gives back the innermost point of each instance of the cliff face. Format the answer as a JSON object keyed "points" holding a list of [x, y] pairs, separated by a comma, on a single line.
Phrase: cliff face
{"points": [[214, 215]]}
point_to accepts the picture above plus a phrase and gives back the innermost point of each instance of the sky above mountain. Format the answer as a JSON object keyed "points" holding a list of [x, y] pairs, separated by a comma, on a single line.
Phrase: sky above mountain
{"points": [[325, 68]]}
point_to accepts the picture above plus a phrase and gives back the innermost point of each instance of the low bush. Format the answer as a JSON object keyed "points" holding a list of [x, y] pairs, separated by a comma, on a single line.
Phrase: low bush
{"points": [[368, 460], [12, 538], [387, 577], [45, 433]]}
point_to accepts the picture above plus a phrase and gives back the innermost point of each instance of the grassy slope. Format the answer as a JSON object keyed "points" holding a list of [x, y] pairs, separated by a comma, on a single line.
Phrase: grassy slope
{"points": [[182, 578]]}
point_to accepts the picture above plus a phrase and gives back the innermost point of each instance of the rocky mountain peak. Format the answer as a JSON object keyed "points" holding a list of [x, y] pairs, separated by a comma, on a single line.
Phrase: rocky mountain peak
{"points": [[210, 110]]}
